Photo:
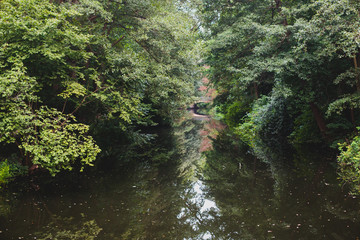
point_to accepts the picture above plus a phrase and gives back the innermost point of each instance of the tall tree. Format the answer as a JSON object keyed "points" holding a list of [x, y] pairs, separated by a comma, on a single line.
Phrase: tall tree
{"points": [[283, 60], [69, 65]]}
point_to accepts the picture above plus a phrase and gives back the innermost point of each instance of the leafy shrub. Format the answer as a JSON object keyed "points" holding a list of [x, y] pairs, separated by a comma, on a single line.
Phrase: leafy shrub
{"points": [[248, 129], [349, 163], [9, 170], [305, 129], [274, 122], [266, 128], [235, 112], [4, 172]]}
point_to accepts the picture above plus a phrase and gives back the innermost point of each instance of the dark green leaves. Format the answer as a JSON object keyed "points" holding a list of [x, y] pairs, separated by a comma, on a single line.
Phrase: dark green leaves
{"points": [[66, 66]]}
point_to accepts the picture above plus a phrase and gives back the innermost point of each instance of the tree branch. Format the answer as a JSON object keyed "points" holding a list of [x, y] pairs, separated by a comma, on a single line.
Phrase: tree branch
{"points": [[117, 41], [147, 50]]}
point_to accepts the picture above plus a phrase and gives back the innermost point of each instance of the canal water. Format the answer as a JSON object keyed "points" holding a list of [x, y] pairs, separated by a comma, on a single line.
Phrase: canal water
{"points": [[182, 187]]}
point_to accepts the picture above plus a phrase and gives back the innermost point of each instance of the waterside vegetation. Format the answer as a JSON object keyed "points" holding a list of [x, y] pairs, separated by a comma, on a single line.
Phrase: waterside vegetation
{"points": [[287, 75], [86, 79], [79, 80]]}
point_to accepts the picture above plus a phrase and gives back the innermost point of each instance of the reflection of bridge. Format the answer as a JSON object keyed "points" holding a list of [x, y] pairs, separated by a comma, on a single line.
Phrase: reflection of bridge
{"points": [[197, 116], [194, 109]]}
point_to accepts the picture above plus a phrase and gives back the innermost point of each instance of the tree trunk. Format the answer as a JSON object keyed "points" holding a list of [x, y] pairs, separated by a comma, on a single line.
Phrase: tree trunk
{"points": [[357, 80], [256, 90], [352, 116], [278, 5], [319, 120], [357, 74]]}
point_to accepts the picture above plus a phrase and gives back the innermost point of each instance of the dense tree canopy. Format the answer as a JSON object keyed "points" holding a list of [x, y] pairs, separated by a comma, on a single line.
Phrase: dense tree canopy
{"points": [[81, 78], [287, 71], [68, 66]]}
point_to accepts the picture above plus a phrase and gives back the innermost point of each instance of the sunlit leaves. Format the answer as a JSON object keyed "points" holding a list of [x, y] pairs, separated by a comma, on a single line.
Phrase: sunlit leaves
{"points": [[73, 88], [15, 84], [349, 163], [337, 23], [45, 136], [89, 61], [55, 143]]}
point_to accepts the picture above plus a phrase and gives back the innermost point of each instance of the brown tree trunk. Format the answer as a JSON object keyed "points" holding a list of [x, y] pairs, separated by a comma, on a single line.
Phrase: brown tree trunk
{"points": [[117, 41], [278, 5], [357, 79], [319, 120], [352, 115], [357, 74], [256, 90]]}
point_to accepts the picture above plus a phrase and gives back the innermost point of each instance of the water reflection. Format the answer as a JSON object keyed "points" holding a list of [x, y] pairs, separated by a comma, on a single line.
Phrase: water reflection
{"points": [[63, 228], [153, 196], [196, 211], [160, 194], [260, 201]]}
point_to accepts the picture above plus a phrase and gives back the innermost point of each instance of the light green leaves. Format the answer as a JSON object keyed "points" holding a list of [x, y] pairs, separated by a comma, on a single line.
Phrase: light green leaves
{"points": [[73, 89], [55, 143], [15, 84], [89, 61], [349, 163]]}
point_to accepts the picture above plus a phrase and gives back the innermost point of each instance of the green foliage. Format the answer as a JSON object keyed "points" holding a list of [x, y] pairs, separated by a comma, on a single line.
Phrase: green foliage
{"points": [[274, 122], [58, 143], [266, 127], [235, 112], [50, 140], [44, 136], [293, 46], [4, 172], [345, 102], [349, 163], [305, 129], [302, 56], [248, 130], [10, 169], [66, 67]]}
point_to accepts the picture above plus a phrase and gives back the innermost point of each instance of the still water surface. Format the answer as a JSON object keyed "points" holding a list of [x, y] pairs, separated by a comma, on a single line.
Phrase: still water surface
{"points": [[162, 194]]}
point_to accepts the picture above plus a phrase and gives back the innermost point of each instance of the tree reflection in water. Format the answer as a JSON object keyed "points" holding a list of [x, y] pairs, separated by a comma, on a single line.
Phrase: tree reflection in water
{"points": [[160, 193], [152, 196], [274, 200]]}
